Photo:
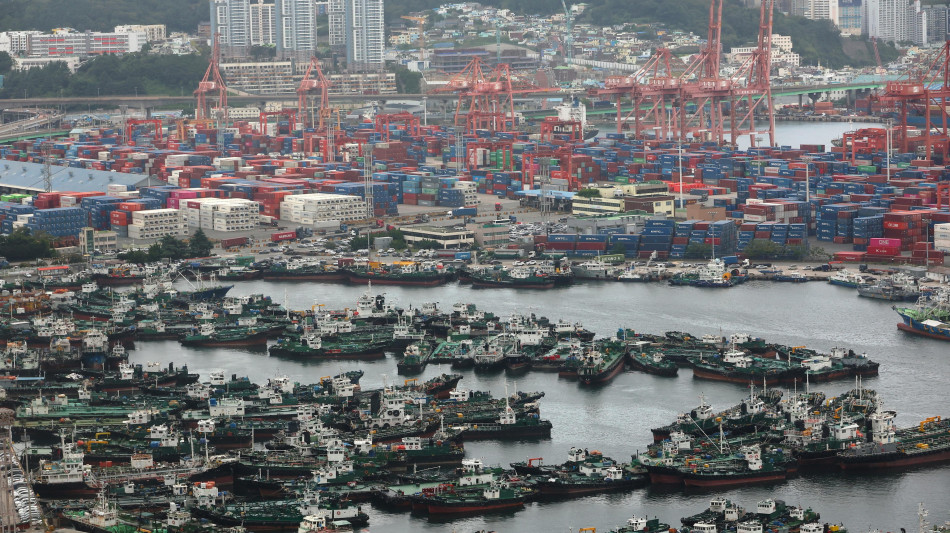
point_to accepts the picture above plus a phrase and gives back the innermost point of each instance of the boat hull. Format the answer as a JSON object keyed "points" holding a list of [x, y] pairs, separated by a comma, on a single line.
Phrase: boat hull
{"points": [[921, 330]]}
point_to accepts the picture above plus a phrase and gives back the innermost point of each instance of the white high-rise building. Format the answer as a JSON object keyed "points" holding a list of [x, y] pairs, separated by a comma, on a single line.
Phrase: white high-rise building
{"points": [[263, 24], [336, 13], [359, 26], [894, 20], [296, 24], [816, 9], [231, 20], [16, 42]]}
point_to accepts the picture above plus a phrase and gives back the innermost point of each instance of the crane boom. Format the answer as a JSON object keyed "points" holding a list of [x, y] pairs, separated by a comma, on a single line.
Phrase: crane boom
{"points": [[569, 34]]}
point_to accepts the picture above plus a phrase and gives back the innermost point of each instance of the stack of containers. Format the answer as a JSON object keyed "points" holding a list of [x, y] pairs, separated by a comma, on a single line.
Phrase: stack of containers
{"points": [[865, 229], [428, 191], [58, 222], [797, 234], [681, 239], [882, 248], [590, 245], [657, 237], [942, 237], [722, 236], [630, 243], [99, 210], [746, 234], [561, 242], [908, 226], [411, 189], [156, 223], [319, 207]]}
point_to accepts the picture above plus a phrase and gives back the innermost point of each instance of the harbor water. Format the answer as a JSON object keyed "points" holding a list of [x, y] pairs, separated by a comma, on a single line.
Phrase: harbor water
{"points": [[794, 133], [616, 418]]}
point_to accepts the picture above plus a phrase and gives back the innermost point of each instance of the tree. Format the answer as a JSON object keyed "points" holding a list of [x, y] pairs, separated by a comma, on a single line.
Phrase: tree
{"points": [[260, 53], [199, 245], [359, 243], [762, 249], [427, 244], [155, 253], [21, 245], [407, 81], [6, 63], [698, 250], [134, 256], [589, 193], [173, 248]]}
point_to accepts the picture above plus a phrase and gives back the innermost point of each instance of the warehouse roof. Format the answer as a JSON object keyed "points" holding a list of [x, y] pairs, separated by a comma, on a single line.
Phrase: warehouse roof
{"points": [[29, 177]]}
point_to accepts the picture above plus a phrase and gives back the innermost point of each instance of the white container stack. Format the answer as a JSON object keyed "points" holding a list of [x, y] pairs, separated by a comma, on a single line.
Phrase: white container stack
{"points": [[221, 214], [157, 223], [942, 237], [313, 208]]}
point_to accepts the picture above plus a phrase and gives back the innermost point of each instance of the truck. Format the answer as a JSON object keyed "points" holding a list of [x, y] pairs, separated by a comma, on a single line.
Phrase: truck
{"points": [[497, 206], [233, 242], [283, 236], [463, 212]]}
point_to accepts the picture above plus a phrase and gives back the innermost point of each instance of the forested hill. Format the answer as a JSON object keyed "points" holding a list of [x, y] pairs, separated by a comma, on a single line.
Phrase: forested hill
{"points": [[101, 15]]}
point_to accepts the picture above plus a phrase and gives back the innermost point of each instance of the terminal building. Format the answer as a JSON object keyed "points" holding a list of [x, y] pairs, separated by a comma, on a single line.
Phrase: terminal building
{"points": [[445, 236]]}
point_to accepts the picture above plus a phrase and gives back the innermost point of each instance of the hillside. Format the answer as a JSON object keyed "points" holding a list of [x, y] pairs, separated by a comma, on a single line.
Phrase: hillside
{"points": [[816, 41], [101, 15]]}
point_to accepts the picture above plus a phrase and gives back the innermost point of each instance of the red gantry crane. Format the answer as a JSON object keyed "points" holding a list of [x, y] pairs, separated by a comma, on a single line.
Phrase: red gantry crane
{"points": [[705, 88], [752, 86], [314, 82], [209, 85], [925, 92]]}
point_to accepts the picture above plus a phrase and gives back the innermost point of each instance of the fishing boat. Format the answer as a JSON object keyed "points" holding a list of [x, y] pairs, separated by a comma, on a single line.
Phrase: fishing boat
{"points": [[890, 448], [896, 288], [515, 278], [208, 336], [509, 426], [592, 477], [600, 364], [929, 318], [310, 345], [847, 278], [412, 273], [302, 271], [652, 363], [498, 496]]}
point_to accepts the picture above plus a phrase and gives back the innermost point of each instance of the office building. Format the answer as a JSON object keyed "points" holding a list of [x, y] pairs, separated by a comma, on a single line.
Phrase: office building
{"points": [[358, 26], [87, 43], [153, 32]]}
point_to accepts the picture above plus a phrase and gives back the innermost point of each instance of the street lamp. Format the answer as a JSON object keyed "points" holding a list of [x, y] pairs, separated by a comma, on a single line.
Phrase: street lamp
{"points": [[887, 153]]}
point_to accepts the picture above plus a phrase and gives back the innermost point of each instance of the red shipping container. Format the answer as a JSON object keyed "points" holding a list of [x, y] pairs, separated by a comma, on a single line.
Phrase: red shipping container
{"points": [[283, 236]]}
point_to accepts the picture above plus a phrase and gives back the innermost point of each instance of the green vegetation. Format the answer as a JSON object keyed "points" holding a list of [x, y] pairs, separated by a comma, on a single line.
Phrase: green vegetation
{"points": [[427, 244], [399, 241], [589, 193], [21, 245], [128, 74], [407, 81], [816, 41], [102, 15], [171, 248], [698, 251], [766, 249]]}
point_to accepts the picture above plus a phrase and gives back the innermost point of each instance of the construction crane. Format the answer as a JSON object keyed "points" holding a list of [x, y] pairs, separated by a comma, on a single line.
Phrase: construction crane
{"points": [[209, 85], [569, 33], [877, 56], [705, 88], [420, 27], [314, 82]]}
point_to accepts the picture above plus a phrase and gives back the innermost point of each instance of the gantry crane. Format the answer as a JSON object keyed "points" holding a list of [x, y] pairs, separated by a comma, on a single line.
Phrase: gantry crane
{"points": [[314, 82], [210, 84]]}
